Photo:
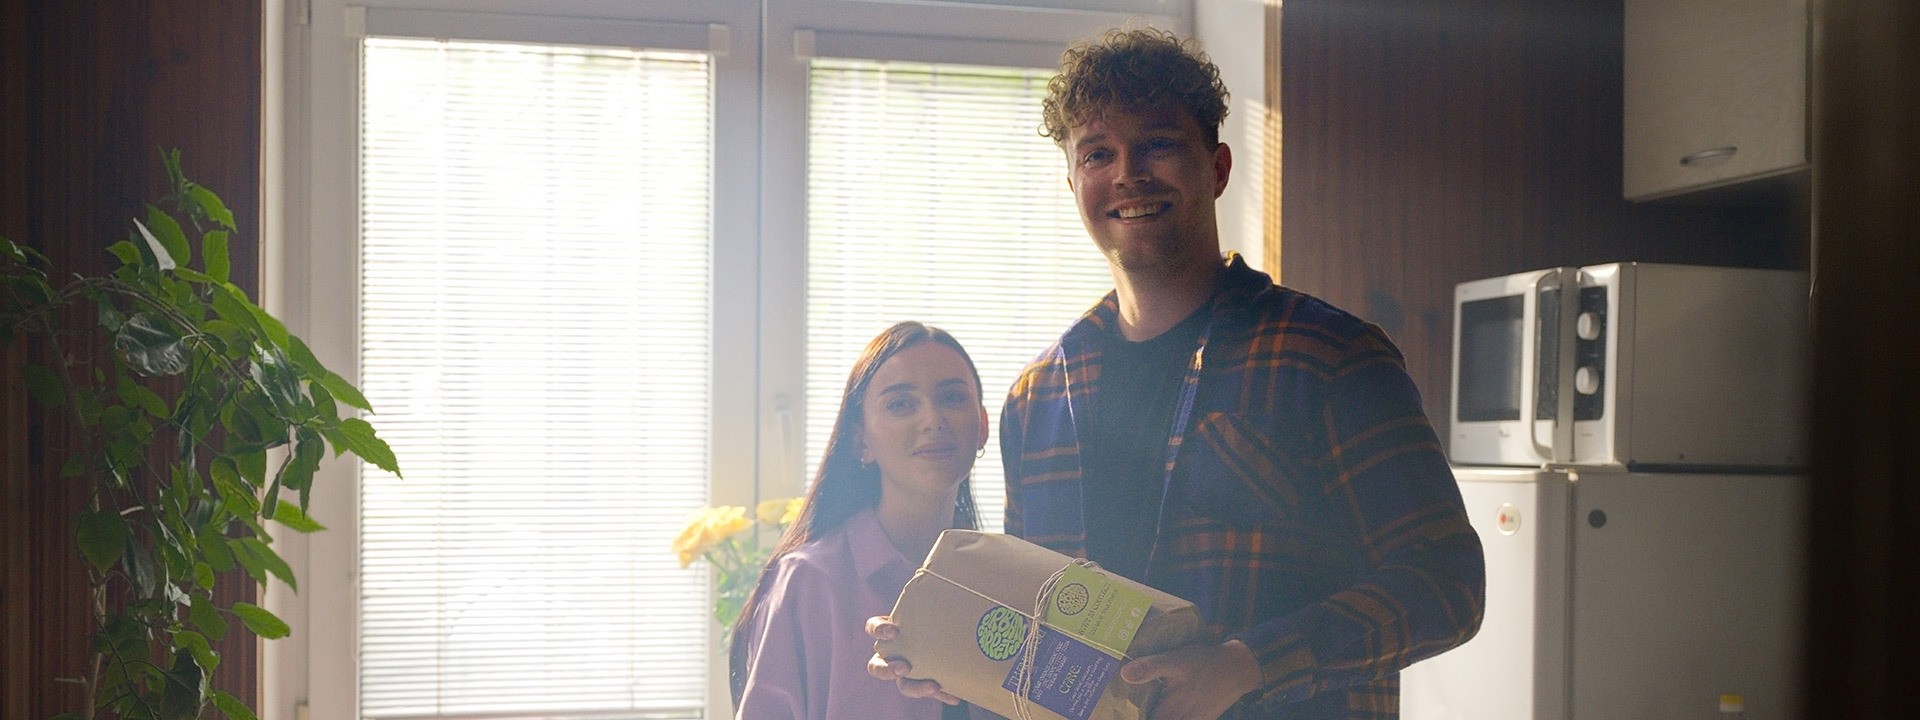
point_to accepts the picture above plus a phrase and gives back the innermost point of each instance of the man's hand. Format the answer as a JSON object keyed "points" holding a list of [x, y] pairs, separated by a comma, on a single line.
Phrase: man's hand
{"points": [[1202, 681], [880, 627]]}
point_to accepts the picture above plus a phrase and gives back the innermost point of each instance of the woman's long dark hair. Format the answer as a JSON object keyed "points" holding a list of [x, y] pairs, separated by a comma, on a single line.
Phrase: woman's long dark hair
{"points": [[843, 486]]}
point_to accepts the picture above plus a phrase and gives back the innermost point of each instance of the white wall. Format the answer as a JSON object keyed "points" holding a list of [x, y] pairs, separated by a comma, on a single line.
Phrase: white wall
{"points": [[1233, 32]]}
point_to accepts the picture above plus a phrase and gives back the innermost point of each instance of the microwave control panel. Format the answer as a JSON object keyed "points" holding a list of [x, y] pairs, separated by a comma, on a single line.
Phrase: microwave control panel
{"points": [[1589, 355]]}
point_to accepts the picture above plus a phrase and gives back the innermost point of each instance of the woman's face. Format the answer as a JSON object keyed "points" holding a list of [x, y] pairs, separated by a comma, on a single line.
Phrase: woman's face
{"points": [[923, 420]]}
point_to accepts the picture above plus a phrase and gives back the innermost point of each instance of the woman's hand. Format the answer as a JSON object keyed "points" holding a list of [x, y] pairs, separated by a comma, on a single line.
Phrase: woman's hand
{"points": [[881, 627]]}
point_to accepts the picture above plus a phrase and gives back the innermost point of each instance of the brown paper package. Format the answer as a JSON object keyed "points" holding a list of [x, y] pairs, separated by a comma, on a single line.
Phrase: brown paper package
{"points": [[967, 574]]}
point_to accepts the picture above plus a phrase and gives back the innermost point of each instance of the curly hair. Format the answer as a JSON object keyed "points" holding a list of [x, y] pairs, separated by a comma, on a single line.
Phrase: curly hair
{"points": [[1128, 70]]}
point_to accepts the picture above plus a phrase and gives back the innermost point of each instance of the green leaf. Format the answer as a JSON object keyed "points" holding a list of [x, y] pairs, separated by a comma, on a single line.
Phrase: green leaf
{"points": [[32, 288], [255, 567], [203, 575], [308, 449], [242, 427], [139, 396], [345, 391], [232, 306], [335, 437], [197, 644], [151, 346], [44, 385], [213, 250], [232, 707], [261, 622], [253, 467], [252, 553], [272, 499], [167, 231], [290, 515], [161, 257], [206, 615], [302, 357], [214, 548], [103, 537], [325, 407], [128, 254], [235, 495], [210, 204], [271, 430], [278, 379], [363, 442], [275, 330], [185, 691]]}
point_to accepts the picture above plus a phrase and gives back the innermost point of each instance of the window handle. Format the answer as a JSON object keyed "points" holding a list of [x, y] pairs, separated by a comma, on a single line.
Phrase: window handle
{"points": [[783, 412]]}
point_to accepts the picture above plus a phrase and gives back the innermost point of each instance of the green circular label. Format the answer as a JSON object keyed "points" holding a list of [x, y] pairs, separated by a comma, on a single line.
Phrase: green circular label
{"points": [[1072, 599], [1001, 632]]}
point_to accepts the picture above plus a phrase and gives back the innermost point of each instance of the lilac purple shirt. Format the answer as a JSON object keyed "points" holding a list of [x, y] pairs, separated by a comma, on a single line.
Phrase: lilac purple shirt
{"points": [[808, 648]]}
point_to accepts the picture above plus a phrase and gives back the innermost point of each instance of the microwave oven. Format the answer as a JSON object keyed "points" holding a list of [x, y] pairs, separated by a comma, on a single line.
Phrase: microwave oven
{"points": [[1631, 365]]}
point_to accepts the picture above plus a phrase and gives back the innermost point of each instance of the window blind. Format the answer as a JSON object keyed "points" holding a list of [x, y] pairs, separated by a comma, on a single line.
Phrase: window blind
{"points": [[534, 320], [932, 197]]}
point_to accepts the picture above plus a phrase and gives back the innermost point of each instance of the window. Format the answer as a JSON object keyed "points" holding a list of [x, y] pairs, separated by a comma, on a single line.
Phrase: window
{"points": [[932, 197], [598, 263], [535, 252]]}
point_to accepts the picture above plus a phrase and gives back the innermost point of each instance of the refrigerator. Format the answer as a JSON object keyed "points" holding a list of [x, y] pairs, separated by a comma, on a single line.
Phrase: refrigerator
{"points": [[1616, 595]]}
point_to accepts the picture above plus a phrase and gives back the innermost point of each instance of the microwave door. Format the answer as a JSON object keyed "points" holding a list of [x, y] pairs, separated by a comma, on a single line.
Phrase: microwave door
{"points": [[1494, 379], [1550, 427]]}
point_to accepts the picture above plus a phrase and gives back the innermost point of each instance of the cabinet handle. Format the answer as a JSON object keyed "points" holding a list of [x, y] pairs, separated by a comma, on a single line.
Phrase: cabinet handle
{"points": [[1704, 154]]}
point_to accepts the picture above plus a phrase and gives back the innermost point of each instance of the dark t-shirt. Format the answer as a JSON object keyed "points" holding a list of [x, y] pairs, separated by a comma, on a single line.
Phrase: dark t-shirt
{"points": [[1124, 457]]}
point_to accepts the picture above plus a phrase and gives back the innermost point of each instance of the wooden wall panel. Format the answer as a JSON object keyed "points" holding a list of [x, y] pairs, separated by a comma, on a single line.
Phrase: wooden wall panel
{"points": [[15, 618], [92, 89], [1864, 559], [1430, 142]]}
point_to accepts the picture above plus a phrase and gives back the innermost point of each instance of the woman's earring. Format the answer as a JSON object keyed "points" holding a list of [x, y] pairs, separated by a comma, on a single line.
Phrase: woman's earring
{"points": [[982, 453]]}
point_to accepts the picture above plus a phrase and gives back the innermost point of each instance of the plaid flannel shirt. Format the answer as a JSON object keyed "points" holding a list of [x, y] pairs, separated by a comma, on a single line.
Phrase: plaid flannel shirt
{"points": [[1309, 510]]}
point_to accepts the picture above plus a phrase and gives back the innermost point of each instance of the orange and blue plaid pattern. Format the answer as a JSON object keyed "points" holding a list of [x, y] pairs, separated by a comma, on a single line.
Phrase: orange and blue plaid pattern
{"points": [[1309, 510]]}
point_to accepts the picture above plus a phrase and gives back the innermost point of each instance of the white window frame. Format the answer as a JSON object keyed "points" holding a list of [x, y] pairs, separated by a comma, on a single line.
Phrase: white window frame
{"points": [[796, 32], [760, 49]]}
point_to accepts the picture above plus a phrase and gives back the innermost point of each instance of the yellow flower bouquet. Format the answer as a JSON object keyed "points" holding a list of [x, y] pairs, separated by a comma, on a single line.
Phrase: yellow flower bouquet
{"points": [[719, 534]]}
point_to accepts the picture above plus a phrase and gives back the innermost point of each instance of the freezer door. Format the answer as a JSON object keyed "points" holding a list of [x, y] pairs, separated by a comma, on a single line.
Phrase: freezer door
{"points": [[1685, 587], [1515, 667]]}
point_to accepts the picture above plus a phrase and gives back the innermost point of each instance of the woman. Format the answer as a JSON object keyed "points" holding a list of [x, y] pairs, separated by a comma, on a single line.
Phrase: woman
{"points": [[894, 476]]}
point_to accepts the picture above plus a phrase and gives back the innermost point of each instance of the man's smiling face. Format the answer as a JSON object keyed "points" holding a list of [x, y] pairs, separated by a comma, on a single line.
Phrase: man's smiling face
{"points": [[1146, 184]]}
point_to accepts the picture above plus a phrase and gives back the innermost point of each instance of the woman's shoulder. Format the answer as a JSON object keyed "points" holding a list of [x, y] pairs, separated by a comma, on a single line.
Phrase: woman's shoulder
{"points": [[824, 556]]}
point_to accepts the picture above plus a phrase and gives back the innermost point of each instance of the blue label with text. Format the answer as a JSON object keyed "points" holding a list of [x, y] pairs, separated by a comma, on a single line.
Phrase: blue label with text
{"points": [[1068, 677]]}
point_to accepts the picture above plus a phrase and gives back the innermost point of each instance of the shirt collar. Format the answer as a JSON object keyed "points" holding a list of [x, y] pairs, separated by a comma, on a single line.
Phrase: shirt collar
{"points": [[1236, 285], [872, 551]]}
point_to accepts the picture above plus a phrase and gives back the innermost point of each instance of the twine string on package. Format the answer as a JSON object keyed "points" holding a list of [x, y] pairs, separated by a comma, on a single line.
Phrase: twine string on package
{"points": [[1024, 671]]}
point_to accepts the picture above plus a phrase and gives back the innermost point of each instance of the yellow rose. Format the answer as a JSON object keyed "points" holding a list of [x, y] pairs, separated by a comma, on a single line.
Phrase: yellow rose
{"points": [[781, 511], [706, 528]]}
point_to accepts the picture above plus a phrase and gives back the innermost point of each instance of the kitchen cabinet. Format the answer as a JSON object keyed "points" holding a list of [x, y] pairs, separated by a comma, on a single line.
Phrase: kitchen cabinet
{"points": [[1716, 93]]}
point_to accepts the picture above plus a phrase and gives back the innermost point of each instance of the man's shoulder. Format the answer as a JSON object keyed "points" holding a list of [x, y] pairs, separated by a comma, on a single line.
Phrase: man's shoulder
{"points": [[1046, 368], [1280, 310]]}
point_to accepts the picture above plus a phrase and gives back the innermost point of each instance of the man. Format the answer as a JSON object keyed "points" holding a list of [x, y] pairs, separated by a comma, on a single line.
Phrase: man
{"points": [[1246, 447]]}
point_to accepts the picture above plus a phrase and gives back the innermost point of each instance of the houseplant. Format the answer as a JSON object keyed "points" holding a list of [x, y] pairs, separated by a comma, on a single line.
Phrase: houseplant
{"points": [[203, 422], [720, 536]]}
